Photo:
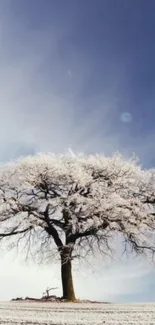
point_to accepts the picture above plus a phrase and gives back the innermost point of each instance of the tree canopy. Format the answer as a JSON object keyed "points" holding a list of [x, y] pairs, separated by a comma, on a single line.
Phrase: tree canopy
{"points": [[77, 204]]}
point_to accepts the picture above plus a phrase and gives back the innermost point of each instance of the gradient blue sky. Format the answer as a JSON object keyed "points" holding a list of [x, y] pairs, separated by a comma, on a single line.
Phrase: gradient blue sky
{"points": [[69, 69]]}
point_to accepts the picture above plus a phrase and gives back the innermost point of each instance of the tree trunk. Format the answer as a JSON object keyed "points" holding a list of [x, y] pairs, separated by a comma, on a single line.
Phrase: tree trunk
{"points": [[66, 277]]}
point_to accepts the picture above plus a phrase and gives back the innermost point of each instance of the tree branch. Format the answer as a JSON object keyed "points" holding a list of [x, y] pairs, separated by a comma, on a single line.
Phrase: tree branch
{"points": [[89, 232], [51, 230], [15, 232]]}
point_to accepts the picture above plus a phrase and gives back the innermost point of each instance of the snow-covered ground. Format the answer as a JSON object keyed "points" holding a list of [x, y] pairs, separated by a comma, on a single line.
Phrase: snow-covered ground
{"points": [[26, 313]]}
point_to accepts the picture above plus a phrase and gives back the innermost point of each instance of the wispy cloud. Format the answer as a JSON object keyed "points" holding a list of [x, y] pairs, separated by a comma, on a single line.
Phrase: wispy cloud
{"points": [[115, 281]]}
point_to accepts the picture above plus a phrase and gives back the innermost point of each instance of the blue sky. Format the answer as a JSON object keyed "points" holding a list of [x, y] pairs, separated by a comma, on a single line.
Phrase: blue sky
{"points": [[69, 70]]}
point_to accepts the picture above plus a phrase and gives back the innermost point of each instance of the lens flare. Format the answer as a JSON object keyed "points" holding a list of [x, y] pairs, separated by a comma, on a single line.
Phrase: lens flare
{"points": [[126, 117]]}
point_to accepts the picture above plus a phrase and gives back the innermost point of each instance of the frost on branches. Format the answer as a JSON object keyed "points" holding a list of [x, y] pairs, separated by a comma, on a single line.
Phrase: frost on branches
{"points": [[77, 204]]}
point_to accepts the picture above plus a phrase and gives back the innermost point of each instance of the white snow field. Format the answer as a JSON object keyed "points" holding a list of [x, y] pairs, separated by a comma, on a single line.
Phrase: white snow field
{"points": [[26, 313]]}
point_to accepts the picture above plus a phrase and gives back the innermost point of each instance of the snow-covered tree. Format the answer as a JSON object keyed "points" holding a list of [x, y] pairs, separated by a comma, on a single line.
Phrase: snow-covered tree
{"points": [[74, 205]]}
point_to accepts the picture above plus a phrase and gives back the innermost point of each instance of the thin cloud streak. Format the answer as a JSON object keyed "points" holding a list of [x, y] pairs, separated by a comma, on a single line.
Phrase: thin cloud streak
{"points": [[115, 281]]}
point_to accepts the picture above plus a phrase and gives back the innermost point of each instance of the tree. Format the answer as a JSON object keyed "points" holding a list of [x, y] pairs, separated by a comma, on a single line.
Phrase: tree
{"points": [[76, 204]]}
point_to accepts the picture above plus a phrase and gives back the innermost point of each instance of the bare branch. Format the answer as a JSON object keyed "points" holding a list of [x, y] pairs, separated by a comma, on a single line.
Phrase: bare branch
{"points": [[13, 232]]}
